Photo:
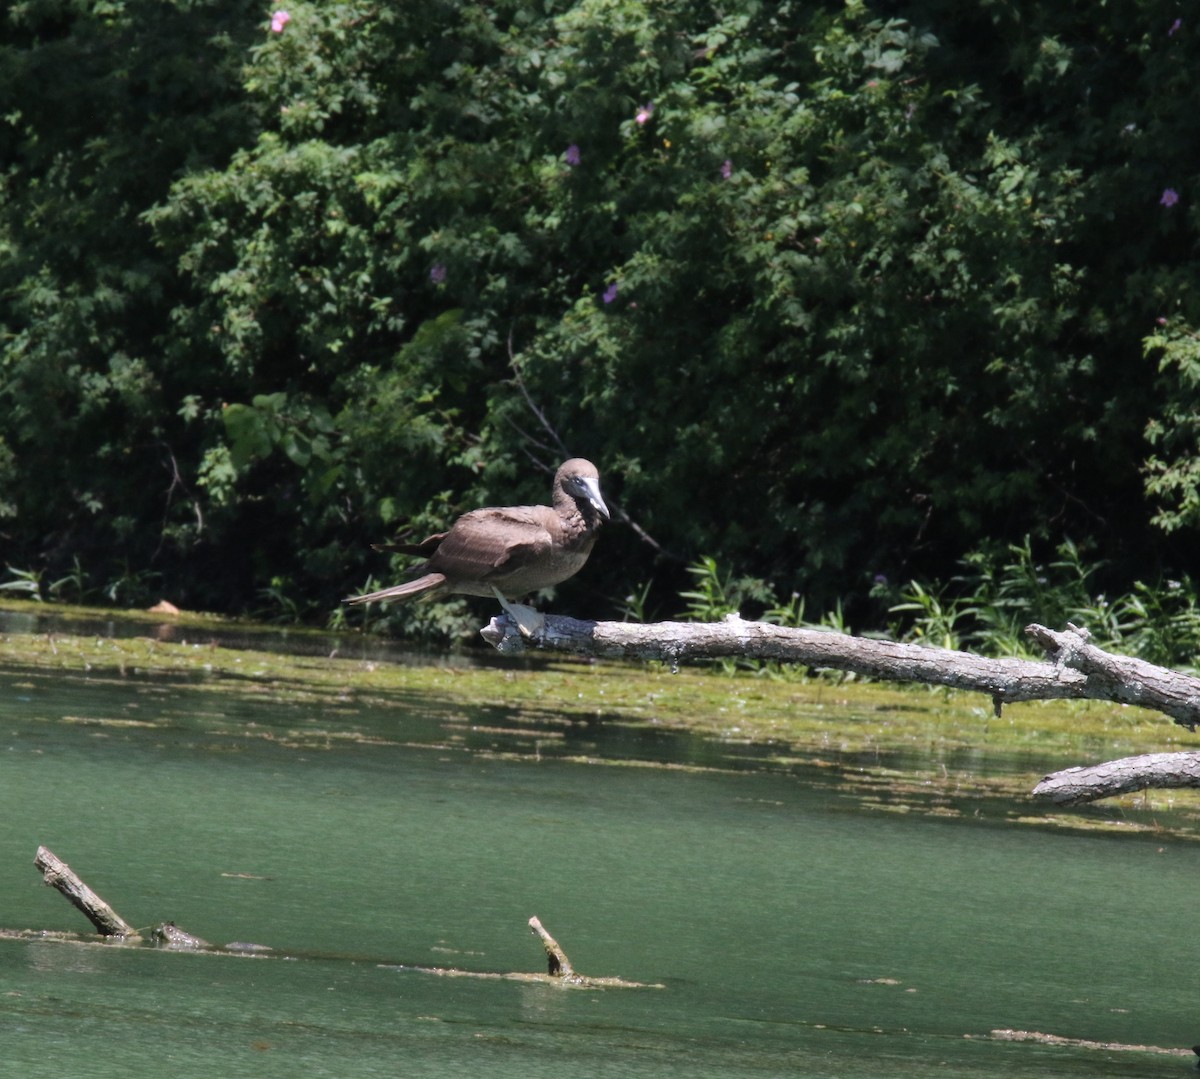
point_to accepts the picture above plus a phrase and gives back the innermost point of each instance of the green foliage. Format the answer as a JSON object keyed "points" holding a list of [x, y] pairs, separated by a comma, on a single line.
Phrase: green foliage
{"points": [[26, 581], [1173, 470], [831, 292], [988, 606], [935, 621], [635, 607], [715, 595]]}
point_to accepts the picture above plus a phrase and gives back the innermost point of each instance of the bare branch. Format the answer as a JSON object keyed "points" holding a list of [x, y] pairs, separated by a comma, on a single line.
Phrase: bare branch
{"points": [[1072, 786], [563, 452], [556, 958], [58, 874], [1122, 678], [678, 642], [531, 404], [1076, 669], [1079, 671]]}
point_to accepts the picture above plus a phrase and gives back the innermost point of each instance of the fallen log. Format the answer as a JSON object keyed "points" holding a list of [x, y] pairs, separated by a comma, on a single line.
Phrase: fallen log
{"points": [[1074, 669], [109, 923], [58, 874]]}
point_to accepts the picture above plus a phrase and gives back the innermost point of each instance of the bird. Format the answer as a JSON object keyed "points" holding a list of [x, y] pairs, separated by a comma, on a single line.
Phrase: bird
{"points": [[508, 551]]}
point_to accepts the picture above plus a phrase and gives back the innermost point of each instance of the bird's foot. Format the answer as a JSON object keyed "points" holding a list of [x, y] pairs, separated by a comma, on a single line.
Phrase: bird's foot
{"points": [[530, 621]]}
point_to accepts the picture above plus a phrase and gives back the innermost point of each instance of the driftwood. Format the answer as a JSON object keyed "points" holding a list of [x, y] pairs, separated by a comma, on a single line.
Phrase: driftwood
{"points": [[1085, 784], [1004, 680], [1075, 669], [1122, 678], [107, 921], [1008, 1035], [109, 924], [561, 973], [168, 935], [556, 958], [171, 936]]}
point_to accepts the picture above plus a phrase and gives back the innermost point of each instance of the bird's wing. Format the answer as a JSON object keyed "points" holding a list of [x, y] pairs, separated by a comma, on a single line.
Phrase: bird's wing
{"points": [[425, 548], [485, 542]]}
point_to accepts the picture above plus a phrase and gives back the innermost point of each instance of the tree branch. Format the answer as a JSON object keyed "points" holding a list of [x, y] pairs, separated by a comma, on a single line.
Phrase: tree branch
{"points": [[1075, 670], [1122, 678], [58, 874], [678, 642], [1072, 786], [1079, 670], [618, 511], [556, 959]]}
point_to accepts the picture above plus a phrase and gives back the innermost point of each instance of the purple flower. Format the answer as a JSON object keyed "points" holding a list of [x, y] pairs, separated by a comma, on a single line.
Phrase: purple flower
{"points": [[727, 169], [279, 20], [610, 293], [437, 273], [572, 155], [1174, 26], [645, 112], [1169, 197]]}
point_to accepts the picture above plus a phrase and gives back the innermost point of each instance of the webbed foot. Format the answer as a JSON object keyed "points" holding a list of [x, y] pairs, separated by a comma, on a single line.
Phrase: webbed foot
{"points": [[530, 621]]}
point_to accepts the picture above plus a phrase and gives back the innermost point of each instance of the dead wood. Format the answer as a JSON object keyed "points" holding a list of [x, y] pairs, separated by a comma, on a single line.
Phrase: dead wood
{"points": [[107, 921], [556, 958], [1008, 1035], [1074, 669], [561, 973], [171, 936], [1003, 680], [1122, 678], [1072, 786], [111, 925]]}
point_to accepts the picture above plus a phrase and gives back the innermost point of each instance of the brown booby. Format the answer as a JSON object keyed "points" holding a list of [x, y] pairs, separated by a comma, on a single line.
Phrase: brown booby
{"points": [[509, 551]]}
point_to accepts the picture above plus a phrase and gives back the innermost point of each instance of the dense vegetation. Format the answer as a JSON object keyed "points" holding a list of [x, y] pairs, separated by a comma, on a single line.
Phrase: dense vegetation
{"points": [[840, 295]]}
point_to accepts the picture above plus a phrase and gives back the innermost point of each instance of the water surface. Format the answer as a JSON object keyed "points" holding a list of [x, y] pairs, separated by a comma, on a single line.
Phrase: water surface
{"points": [[794, 928]]}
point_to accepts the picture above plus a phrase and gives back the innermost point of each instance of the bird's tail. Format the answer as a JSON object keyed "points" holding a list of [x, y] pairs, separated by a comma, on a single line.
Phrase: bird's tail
{"points": [[409, 590]]}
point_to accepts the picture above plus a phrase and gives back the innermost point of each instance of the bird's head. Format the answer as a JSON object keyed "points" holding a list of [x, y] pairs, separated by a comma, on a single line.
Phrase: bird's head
{"points": [[581, 480]]}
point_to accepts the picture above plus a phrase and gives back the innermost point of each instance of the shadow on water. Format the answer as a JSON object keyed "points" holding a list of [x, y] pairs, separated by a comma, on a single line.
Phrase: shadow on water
{"points": [[809, 913]]}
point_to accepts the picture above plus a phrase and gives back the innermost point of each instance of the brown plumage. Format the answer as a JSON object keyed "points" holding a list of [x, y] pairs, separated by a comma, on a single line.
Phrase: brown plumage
{"points": [[514, 550]]}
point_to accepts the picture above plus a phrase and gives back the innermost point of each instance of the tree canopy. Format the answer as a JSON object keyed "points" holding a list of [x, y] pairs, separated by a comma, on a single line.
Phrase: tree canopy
{"points": [[833, 292]]}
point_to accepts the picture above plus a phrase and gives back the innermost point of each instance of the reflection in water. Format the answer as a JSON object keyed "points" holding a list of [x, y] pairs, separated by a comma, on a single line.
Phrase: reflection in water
{"points": [[41, 620], [64, 957], [802, 920]]}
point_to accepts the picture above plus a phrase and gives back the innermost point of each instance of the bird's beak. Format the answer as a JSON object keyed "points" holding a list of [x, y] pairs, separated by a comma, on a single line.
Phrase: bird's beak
{"points": [[591, 489]]}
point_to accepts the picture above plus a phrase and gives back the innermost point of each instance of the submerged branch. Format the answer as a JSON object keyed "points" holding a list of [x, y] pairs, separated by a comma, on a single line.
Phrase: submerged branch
{"points": [[58, 874], [561, 973], [557, 959]]}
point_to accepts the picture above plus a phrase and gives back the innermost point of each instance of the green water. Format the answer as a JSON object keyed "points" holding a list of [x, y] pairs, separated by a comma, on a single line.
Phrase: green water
{"points": [[794, 930]]}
